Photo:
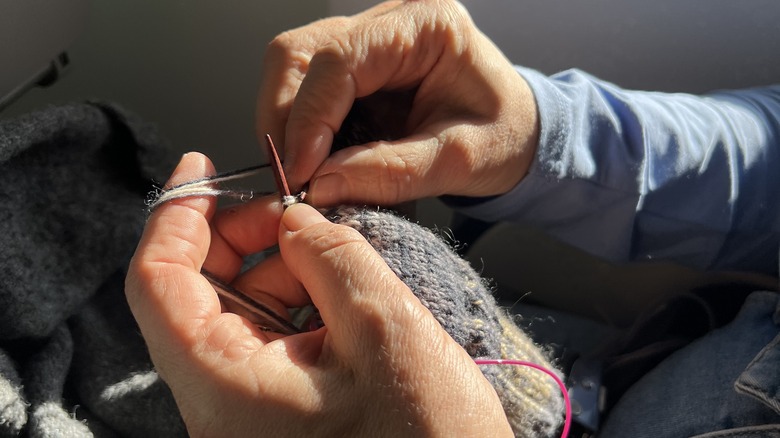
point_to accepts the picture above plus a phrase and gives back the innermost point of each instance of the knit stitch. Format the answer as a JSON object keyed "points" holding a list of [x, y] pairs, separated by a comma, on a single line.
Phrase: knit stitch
{"points": [[461, 302]]}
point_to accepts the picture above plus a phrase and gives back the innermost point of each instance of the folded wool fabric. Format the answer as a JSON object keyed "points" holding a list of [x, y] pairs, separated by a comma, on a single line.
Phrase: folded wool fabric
{"points": [[460, 300], [73, 181]]}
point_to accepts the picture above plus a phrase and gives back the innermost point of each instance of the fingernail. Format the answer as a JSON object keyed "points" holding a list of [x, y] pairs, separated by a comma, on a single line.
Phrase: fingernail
{"points": [[300, 216]]}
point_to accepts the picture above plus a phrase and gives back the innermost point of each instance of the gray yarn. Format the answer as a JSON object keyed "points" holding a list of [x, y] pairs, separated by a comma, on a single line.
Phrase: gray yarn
{"points": [[459, 299], [434, 274]]}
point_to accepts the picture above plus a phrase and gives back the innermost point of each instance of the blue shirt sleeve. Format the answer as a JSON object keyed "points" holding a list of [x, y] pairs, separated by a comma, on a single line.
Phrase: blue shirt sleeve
{"points": [[633, 175]]}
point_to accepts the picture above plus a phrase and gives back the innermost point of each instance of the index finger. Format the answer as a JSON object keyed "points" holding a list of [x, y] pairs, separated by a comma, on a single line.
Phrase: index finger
{"points": [[286, 63], [359, 58]]}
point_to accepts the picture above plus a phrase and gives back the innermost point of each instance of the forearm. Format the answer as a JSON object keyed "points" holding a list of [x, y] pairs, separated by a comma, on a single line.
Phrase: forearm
{"points": [[633, 175]]}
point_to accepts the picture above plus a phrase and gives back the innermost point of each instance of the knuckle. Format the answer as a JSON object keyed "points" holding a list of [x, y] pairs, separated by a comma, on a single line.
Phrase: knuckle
{"points": [[398, 174], [282, 42], [341, 241], [283, 51], [332, 53], [452, 19], [454, 11], [328, 239], [277, 49]]}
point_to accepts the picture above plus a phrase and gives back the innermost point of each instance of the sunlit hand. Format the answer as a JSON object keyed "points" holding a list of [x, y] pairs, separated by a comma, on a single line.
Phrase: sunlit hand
{"points": [[469, 129], [381, 366]]}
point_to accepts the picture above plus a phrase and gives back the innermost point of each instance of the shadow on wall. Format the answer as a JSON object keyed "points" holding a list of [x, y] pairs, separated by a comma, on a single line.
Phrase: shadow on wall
{"points": [[193, 68], [664, 45]]}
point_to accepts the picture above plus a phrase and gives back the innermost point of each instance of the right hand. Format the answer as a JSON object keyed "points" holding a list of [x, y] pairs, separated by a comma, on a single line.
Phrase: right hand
{"points": [[471, 128]]}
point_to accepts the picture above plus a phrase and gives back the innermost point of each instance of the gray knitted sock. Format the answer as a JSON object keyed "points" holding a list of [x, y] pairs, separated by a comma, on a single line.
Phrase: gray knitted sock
{"points": [[463, 305]]}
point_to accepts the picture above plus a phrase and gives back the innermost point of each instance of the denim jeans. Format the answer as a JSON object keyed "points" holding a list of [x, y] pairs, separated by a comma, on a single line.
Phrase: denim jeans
{"points": [[726, 384]]}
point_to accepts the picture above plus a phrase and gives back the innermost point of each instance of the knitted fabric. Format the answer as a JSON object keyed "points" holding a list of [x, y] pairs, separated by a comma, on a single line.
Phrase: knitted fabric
{"points": [[461, 302]]}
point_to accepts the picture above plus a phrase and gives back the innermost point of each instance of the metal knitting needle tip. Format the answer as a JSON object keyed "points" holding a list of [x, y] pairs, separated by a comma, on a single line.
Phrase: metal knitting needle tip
{"points": [[281, 180]]}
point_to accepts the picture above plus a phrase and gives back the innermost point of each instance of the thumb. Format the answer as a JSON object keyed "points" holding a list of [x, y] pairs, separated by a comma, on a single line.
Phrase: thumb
{"points": [[358, 295], [384, 173], [166, 293]]}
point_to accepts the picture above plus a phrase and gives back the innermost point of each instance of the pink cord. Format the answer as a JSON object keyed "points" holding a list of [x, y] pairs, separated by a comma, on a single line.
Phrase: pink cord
{"points": [[566, 400]]}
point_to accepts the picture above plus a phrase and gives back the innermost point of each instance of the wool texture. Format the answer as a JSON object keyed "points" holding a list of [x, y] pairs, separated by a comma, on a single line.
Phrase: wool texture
{"points": [[73, 183], [461, 302], [13, 407]]}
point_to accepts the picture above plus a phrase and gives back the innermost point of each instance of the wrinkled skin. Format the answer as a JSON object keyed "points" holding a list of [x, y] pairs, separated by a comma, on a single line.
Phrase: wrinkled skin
{"points": [[466, 121], [381, 366]]}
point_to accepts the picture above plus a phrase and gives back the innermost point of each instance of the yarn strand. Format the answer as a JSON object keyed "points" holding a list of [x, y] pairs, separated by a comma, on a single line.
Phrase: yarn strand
{"points": [[267, 319], [205, 187]]}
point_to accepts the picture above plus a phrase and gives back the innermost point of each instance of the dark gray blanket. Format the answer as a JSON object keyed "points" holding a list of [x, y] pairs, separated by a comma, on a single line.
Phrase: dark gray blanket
{"points": [[73, 180]]}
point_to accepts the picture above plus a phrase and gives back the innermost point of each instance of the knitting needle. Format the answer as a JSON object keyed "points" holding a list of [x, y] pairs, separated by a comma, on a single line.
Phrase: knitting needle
{"points": [[265, 318], [314, 320], [281, 180], [276, 166]]}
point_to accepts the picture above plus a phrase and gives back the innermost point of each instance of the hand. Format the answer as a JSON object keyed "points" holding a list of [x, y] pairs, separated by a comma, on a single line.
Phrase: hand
{"points": [[381, 366], [470, 128]]}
